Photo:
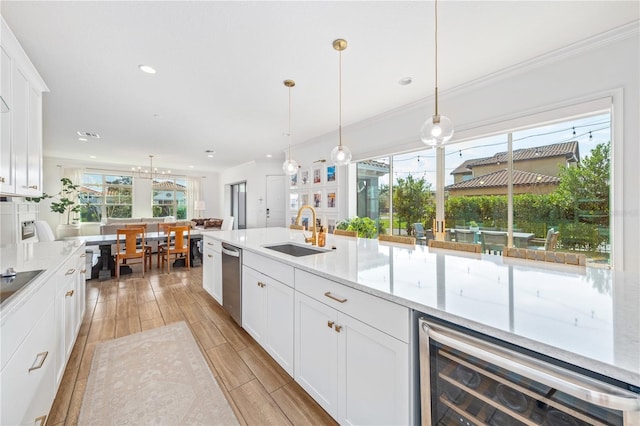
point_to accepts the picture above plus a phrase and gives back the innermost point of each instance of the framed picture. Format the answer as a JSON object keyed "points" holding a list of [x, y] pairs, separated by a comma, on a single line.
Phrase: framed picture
{"points": [[317, 175], [331, 199], [293, 200], [331, 224], [293, 183], [304, 177], [303, 199], [331, 174], [317, 199], [304, 221]]}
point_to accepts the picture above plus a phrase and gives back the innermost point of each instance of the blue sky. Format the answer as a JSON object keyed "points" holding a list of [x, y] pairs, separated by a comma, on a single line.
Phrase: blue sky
{"points": [[589, 132]]}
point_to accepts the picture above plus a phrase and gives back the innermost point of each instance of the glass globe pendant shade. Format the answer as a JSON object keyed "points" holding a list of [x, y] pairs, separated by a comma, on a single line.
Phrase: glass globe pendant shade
{"points": [[341, 155], [290, 167], [436, 131]]}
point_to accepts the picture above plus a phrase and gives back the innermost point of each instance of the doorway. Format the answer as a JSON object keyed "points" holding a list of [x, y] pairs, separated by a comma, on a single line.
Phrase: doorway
{"points": [[239, 205], [275, 204]]}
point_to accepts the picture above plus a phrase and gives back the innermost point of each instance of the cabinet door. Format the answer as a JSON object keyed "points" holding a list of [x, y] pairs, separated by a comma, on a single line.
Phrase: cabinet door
{"points": [[253, 304], [316, 351], [278, 323], [7, 174], [20, 128], [34, 150], [207, 269], [217, 276], [373, 371]]}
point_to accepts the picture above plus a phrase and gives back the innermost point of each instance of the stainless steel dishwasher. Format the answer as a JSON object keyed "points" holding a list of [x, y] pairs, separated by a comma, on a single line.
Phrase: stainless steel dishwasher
{"points": [[232, 281]]}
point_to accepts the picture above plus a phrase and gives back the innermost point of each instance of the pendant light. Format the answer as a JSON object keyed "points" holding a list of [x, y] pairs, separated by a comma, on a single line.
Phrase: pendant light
{"points": [[437, 130], [340, 155], [289, 167]]}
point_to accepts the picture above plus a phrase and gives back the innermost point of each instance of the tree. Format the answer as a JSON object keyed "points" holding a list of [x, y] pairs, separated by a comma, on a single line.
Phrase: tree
{"points": [[586, 186], [412, 200], [383, 198]]}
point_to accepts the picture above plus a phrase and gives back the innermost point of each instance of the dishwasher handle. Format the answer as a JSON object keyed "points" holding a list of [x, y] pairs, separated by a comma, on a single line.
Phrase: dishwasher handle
{"points": [[229, 251]]}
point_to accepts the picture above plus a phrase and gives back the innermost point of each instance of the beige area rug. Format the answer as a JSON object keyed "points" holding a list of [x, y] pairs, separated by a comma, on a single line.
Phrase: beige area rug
{"points": [[157, 377]]}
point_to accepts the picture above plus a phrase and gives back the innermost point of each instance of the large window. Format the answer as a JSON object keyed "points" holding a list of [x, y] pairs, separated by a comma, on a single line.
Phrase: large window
{"points": [[559, 184], [170, 198], [103, 195]]}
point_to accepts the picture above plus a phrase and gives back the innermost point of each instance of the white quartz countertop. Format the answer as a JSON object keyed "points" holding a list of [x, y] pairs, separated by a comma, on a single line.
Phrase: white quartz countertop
{"points": [[30, 257], [586, 317]]}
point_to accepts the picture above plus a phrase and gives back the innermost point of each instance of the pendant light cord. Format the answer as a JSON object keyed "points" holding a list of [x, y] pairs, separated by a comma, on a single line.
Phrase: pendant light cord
{"points": [[289, 134], [436, 51], [340, 96]]}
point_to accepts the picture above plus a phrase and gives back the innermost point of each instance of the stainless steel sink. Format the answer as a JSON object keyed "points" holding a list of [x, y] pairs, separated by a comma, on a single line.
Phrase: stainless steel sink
{"points": [[296, 249]]}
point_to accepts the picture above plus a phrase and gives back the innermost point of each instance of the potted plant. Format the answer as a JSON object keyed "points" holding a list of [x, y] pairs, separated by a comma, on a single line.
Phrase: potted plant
{"points": [[473, 226], [64, 203]]}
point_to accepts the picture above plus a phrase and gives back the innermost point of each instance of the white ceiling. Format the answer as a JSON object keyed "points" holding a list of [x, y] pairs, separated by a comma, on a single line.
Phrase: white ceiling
{"points": [[220, 67]]}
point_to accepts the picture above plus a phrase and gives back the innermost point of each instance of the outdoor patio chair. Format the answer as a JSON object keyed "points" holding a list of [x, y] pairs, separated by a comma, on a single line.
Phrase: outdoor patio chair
{"points": [[493, 242], [465, 236], [420, 235]]}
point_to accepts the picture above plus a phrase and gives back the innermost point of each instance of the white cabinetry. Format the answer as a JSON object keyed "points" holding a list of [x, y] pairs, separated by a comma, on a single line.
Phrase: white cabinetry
{"points": [[212, 267], [267, 315], [267, 306], [21, 88], [351, 352], [37, 339], [69, 308]]}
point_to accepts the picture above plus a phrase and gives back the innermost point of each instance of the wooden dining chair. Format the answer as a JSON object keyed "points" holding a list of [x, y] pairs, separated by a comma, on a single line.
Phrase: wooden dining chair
{"points": [[147, 248], [345, 233], [128, 238], [177, 243], [163, 227], [400, 239]]}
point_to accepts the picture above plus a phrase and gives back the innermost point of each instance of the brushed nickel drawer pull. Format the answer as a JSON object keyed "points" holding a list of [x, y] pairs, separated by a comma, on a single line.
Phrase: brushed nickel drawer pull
{"points": [[41, 356], [33, 186], [83, 271], [261, 284], [210, 255], [209, 244], [330, 324], [70, 271], [69, 293], [337, 299], [1, 179], [83, 255], [338, 328], [41, 419]]}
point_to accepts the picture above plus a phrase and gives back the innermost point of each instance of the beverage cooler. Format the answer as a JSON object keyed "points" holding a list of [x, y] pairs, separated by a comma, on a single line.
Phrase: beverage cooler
{"points": [[469, 381]]}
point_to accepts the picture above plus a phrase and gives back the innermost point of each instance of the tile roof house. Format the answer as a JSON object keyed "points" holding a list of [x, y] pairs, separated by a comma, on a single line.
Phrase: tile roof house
{"points": [[536, 170]]}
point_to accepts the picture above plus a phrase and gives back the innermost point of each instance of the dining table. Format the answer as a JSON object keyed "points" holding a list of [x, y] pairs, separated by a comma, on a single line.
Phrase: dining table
{"points": [[520, 239], [106, 264]]}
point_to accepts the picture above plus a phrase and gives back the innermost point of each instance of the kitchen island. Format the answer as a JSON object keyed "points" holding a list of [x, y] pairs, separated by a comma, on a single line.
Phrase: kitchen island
{"points": [[586, 317]]}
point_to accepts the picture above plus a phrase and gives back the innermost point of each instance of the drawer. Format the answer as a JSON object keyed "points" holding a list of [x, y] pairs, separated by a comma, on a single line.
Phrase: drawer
{"points": [[65, 273], [23, 319], [211, 243], [272, 268], [386, 316], [27, 395]]}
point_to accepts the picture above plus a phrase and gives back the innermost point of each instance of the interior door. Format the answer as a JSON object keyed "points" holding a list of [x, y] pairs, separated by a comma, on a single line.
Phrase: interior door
{"points": [[275, 204]]}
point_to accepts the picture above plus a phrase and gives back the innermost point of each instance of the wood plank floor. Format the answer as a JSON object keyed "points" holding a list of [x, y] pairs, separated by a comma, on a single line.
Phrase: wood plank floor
{"points": [[257, 388]]}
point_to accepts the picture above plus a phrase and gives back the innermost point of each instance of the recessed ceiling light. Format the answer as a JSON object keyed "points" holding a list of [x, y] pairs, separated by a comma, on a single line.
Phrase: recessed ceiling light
{"points": [[191, 167], [210, 153], [404, 81], [269, 155], [92, 156], [82, 139], [147, 69]]}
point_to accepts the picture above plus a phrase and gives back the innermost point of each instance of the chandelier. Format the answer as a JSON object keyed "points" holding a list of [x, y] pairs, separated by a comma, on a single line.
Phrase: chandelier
{"points": [[151, 173]]}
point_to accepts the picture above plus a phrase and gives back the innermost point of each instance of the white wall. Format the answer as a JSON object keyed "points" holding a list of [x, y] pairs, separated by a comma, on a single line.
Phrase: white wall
{"points": [[603, 66], [254, 173]]}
